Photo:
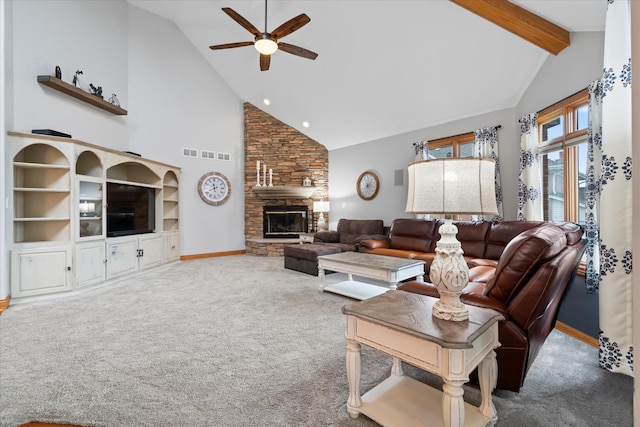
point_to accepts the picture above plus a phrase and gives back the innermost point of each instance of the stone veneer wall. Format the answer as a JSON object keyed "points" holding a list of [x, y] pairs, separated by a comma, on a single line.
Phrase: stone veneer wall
{"points": [[292, 156]]}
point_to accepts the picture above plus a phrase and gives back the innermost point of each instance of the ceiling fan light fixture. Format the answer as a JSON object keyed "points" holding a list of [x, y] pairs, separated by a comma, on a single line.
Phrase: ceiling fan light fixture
{"points": [[266, 45]]}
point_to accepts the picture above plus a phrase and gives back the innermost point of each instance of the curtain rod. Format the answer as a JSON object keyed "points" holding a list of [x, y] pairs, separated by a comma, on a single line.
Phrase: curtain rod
{"points": [[463, 133]]}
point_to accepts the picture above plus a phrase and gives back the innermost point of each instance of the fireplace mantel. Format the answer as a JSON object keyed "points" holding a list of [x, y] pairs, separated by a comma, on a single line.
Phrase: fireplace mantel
{"points": [[284, 192]]}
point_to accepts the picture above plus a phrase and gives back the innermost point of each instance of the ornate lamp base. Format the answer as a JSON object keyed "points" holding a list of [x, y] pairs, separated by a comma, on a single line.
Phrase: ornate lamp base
{"points": [[450, 274]]}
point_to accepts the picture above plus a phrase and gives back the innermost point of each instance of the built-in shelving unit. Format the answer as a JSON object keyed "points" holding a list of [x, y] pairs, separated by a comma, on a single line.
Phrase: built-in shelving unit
{"points": [[41, 195], [170, 202], [58, 201], [77, 93]]}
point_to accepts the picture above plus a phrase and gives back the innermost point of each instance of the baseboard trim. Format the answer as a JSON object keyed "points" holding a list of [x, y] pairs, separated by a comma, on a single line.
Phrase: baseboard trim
{"points": [[212, 255], [4, 303], [580, 336]]}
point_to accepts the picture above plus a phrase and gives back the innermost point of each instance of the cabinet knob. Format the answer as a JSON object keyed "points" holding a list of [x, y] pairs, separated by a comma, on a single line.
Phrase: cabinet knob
{"points": [[68, 268]]}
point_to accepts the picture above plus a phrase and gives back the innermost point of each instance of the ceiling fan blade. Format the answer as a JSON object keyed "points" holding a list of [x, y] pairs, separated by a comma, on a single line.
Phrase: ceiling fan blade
{"points": [[230, 45], [265, 61], [297, 50], [290, 26], [240, 20]]}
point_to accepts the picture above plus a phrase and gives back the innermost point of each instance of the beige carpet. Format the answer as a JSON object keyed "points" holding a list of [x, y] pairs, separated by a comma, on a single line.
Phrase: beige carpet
{"points": [[239, 341]]}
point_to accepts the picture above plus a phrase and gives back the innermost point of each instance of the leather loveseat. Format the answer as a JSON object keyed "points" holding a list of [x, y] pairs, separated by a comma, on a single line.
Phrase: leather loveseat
{"points": [[350, 232], [518, 268], [345, 238]]}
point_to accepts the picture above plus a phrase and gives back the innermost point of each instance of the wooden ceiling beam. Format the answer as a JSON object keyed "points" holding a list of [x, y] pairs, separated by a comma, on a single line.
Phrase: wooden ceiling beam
{"points": [[520, 22]]}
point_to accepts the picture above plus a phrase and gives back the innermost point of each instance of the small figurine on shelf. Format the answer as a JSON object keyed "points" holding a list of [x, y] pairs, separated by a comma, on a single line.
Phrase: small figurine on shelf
{"points": [[76, 79], [97, 91], [58, 72], [306, 182], [114, 100]]}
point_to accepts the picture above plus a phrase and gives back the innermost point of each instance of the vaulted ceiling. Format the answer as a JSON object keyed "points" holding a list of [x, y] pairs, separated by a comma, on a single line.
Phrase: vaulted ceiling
{"points": [[383, 67]]}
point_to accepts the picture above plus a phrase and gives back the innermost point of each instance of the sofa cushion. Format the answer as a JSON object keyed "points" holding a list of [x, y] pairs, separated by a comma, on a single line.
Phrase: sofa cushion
{"points": [[472, 235], [522, 257], [350, 231], [326, 236], [413, 235], [502, 233]]}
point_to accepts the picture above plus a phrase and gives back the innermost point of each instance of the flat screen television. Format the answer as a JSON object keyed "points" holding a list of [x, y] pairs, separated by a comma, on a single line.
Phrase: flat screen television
{"points": [[131, 209]]}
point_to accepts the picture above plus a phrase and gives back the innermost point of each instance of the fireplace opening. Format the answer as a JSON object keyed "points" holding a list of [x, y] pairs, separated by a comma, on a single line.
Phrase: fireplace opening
{"points": [[284, 221]]}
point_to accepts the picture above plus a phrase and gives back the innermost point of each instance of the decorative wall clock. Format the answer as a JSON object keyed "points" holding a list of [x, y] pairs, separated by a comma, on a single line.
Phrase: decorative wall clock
{"points": [[368, 185], [214, 188]]}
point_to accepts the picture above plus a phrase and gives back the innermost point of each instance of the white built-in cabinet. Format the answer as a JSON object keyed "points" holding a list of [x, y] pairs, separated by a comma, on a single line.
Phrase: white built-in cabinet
{"points": [[58, 225], [129, 254]]}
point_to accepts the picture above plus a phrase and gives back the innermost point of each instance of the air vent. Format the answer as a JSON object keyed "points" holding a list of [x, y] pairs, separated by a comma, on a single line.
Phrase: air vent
{"points": [[208, 154], [224, 156], [189, 152]]}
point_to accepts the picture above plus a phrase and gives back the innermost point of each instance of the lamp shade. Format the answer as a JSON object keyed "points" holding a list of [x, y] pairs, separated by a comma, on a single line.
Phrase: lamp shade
{"points": [[321, 206], [452, 186]]}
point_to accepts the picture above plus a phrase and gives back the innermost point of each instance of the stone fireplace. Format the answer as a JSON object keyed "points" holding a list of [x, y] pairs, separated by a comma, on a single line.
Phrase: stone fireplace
{"points": [[292, 157]]}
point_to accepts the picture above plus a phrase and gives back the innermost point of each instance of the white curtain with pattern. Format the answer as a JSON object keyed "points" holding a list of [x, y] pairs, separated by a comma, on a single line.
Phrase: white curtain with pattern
{"points": [[530, 174], [485, 145], [615, 291], [592, 187]]}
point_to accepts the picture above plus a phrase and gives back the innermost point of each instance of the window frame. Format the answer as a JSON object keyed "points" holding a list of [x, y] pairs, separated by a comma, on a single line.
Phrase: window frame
{"points": [[567, 143], [454, 141]]}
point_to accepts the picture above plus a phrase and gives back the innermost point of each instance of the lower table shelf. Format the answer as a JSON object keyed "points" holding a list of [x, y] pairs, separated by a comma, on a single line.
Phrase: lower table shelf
{"points": [[405, 402], [355, 289]]}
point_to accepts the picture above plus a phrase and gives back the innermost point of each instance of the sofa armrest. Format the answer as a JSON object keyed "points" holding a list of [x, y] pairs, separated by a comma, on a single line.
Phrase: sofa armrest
{"points": [[328, 236], [374, 243]]}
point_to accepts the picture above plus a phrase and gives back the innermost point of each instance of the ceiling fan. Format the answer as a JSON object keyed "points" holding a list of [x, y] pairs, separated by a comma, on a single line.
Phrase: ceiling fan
{"points": [[267, 43]]}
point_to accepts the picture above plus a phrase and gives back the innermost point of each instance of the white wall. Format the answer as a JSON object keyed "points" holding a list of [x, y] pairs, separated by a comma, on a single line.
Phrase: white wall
{"points": [[174, 99], [560, 76], [569, 72], [76, 35], [5, 104], [386, 155], [177, 100]]}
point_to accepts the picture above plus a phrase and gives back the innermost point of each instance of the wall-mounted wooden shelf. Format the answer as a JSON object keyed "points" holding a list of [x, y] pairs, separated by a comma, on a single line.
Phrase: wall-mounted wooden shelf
{"points": [[73, 91]]}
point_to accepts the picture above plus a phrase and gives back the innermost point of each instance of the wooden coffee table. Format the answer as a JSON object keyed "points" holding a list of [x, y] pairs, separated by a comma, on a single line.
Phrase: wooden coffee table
{"points": [[379, 267], [401, 325]]}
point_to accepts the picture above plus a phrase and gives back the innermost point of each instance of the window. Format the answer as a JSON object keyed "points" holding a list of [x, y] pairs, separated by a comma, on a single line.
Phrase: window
{"points": [[457, 146], [562, 129]]}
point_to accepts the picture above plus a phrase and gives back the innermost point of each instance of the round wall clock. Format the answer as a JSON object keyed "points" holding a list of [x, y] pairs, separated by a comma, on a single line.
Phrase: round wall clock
{"points": [[214, 188], [368, 185]]}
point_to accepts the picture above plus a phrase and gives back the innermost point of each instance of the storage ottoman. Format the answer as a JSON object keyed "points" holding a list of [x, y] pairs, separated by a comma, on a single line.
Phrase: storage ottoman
{"points": [[304, 258]]}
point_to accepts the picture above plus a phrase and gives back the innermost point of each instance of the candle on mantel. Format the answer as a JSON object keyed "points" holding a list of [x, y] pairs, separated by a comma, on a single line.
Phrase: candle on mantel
{"points": [[264, 174], [258, 173], [270, 177]]}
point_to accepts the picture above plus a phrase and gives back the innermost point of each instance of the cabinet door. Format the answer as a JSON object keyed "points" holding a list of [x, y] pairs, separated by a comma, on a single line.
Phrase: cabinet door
{"points": [[90, 263], [151, 247], [122, 256], [40, 271], [171, 247]]}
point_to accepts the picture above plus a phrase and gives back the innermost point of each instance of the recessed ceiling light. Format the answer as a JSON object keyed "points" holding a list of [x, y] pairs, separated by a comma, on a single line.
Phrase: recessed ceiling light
{"points": [[305, 124], [266, 101]]}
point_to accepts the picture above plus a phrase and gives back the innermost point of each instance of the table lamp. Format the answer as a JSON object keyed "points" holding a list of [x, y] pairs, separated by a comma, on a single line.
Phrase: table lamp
{"points": [[451, 187], [321, 207]]}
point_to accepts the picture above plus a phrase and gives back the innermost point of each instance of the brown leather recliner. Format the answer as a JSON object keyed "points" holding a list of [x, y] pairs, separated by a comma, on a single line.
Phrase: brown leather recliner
{"points": [[526, 285]]}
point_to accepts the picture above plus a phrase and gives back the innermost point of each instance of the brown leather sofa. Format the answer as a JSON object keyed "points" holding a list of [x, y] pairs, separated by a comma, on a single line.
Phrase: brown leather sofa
{"points": [[345, 238], [518, 268], [350, 232]]}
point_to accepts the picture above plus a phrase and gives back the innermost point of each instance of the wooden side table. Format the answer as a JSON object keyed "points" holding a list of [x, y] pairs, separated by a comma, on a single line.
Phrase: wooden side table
{"points": [[400, 324]]}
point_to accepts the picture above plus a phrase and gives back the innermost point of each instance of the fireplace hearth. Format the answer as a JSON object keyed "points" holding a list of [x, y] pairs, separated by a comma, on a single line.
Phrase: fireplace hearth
{"points": [[285, 221]]}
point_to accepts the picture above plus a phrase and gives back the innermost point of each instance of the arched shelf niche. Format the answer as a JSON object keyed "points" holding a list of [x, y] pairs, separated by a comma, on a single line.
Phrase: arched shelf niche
{"points": [[89, 164]]}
